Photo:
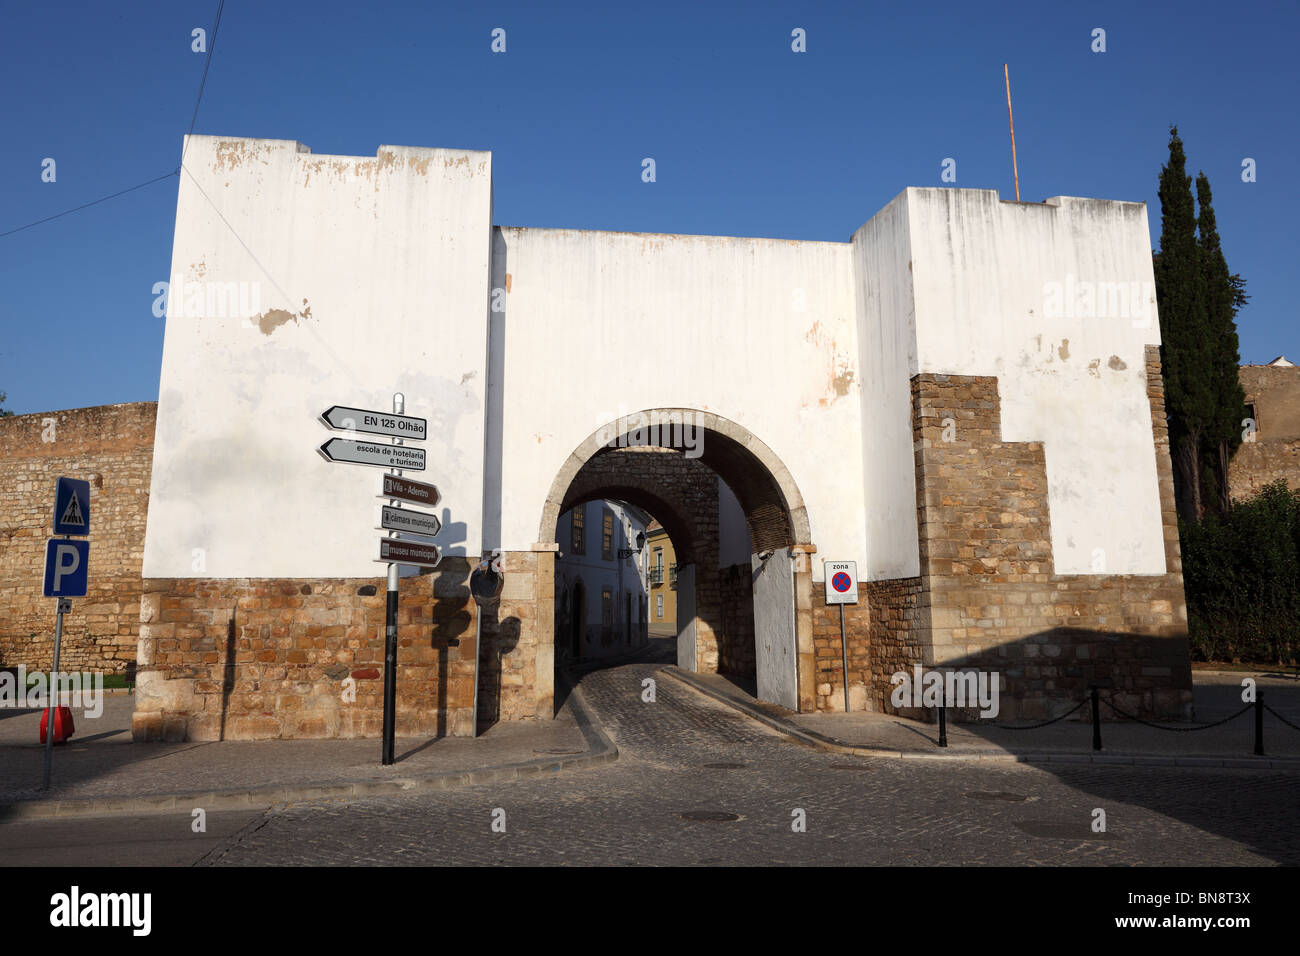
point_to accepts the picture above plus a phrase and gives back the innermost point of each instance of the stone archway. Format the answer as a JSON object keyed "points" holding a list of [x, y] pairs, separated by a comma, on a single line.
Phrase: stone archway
{"points": [[615, 462]]}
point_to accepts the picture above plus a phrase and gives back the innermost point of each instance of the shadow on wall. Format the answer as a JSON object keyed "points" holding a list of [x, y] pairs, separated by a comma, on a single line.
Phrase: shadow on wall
{"points": [[500, 636], [1044, 675]]}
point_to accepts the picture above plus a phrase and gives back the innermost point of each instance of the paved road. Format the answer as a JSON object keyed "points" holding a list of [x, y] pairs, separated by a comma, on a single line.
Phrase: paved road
{"points": [[684, 754]]}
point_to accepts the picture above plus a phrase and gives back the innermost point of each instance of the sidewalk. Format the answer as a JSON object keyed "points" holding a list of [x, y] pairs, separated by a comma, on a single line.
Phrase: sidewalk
{"points": [[1216, 695], [100, 770]]}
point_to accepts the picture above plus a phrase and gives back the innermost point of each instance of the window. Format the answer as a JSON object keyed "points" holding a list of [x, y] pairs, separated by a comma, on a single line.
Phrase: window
{"points": [[607, 536], [578, 530], [657, 569], [659, 606], [606, 608], [672, 576]]}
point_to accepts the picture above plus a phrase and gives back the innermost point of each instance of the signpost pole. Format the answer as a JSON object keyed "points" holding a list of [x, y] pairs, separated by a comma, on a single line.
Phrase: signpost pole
{"points": [[844, 652], [390, 628], [52, 700]]}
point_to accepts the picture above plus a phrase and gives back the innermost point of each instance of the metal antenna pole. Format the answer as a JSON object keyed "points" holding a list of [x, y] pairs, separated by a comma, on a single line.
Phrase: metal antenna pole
{"points": [[1014, 168]]}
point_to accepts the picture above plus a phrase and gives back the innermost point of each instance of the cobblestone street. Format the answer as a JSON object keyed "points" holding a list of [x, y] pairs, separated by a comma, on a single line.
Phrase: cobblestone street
{"points": [[684, 754]]}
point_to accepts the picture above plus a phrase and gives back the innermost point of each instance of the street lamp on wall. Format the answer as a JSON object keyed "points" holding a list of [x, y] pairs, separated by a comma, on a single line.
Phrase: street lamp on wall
{"points": [[640, 543]]}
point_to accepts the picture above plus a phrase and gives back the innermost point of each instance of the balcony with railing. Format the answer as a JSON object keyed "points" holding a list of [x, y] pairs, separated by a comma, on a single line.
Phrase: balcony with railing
{"points": [[656, 575], [672, 576]]}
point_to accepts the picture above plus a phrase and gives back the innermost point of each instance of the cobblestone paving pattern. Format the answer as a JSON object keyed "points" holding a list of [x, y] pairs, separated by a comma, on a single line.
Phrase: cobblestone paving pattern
{"points": [[859, 811]]}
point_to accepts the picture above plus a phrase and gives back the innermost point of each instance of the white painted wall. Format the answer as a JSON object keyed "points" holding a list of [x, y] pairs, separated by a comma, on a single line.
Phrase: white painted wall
{"points": [[887, 328], [983, 276], [758, 331], [382, 269], [384, 263]]}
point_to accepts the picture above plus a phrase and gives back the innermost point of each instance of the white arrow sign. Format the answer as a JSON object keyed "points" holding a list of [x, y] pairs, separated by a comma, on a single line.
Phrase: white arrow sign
{"points": [[373, 453], [399, 519], [375, 423]]}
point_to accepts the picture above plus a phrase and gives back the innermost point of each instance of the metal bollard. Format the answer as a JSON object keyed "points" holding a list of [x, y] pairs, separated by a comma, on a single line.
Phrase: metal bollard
{"points": [[943, 724], [1259, 721], [1096, 720]]}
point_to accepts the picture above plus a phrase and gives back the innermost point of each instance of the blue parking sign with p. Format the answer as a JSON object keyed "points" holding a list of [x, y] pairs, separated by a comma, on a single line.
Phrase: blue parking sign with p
{"points": [[66, 564]]}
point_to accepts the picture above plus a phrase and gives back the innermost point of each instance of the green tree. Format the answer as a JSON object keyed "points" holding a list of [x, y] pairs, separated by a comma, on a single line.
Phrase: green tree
{"points": [[4, 412], [1224, 292], [1184, 329]]}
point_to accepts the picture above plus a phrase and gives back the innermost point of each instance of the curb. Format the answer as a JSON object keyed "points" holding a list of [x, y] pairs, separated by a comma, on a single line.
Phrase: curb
{"points": [[600, 750], [816, 741]]}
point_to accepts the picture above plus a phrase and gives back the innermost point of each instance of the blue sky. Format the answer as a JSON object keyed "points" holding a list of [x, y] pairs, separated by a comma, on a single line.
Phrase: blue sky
{"points": [[749, 138]]}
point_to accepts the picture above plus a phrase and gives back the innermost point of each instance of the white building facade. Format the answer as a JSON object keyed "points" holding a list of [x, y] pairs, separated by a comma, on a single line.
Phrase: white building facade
{"points": [[964, 399]]}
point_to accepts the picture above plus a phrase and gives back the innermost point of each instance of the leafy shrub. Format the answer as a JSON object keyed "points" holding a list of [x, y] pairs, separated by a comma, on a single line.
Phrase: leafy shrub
{"points": [[1241, 573]]}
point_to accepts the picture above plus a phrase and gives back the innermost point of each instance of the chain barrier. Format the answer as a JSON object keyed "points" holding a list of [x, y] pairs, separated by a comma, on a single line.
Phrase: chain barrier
{"points": [[1110, 703], [1258, 706], [1280, 717], [1045, 722]]}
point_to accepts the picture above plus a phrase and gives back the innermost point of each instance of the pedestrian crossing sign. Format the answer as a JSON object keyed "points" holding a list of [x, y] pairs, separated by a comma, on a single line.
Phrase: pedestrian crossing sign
{"points": [[72, 506]]}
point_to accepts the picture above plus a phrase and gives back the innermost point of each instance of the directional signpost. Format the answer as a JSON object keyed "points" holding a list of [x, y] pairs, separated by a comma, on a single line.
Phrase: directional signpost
{"points": [[842, 588], [393, 550], [375, 423], [403, 519], [409, 552], [373, 453], [418, 492], [67, 563]]}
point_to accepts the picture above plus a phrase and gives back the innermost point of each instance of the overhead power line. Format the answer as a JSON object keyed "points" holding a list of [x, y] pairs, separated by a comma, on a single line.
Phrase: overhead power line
{"points": [[207, 62]]}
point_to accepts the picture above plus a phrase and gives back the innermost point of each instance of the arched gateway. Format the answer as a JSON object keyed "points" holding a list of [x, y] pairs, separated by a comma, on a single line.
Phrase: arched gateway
{"points": [[641, 458], [964, 398]]}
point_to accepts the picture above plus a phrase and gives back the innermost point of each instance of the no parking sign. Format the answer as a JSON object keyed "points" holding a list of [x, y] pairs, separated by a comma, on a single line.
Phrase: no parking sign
{"points": [[841, 582]]}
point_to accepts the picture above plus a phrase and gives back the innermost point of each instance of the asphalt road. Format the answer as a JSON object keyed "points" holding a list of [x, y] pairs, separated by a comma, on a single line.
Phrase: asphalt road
{"points": [[698, 784]]}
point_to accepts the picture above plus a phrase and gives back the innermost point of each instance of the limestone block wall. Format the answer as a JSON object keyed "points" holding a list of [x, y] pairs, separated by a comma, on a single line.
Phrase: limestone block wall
{"points": [[112, 447], [1262, 462], [241, 658], [828, 652], [898, 621]]}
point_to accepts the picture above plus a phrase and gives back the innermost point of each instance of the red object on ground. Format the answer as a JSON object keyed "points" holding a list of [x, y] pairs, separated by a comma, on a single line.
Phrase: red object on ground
{"points": [[63, 728]]}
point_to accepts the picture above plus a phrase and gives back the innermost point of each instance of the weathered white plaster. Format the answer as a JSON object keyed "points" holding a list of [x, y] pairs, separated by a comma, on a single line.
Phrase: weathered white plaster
{"points": [[377, 274], [985, 273], [759, 331], [378, 268]]}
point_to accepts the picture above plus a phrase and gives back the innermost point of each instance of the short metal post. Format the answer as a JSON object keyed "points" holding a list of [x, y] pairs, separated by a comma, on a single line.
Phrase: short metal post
{"points": [[53, 700], [1259, 721], [1096, 719], [943, 719]]}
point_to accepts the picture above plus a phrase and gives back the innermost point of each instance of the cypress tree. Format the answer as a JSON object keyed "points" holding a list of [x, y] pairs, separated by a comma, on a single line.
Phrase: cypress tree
{"points": [[1223, 293], [1184, 329]]}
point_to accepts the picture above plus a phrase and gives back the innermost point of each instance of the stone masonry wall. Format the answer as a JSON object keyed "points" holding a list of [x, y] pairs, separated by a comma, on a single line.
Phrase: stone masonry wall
{"points": [[828, 654], [112, 447], [256, 659], [897, 622], [993, 599], [1274, 452], [735, 631], [1263, 462]]}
